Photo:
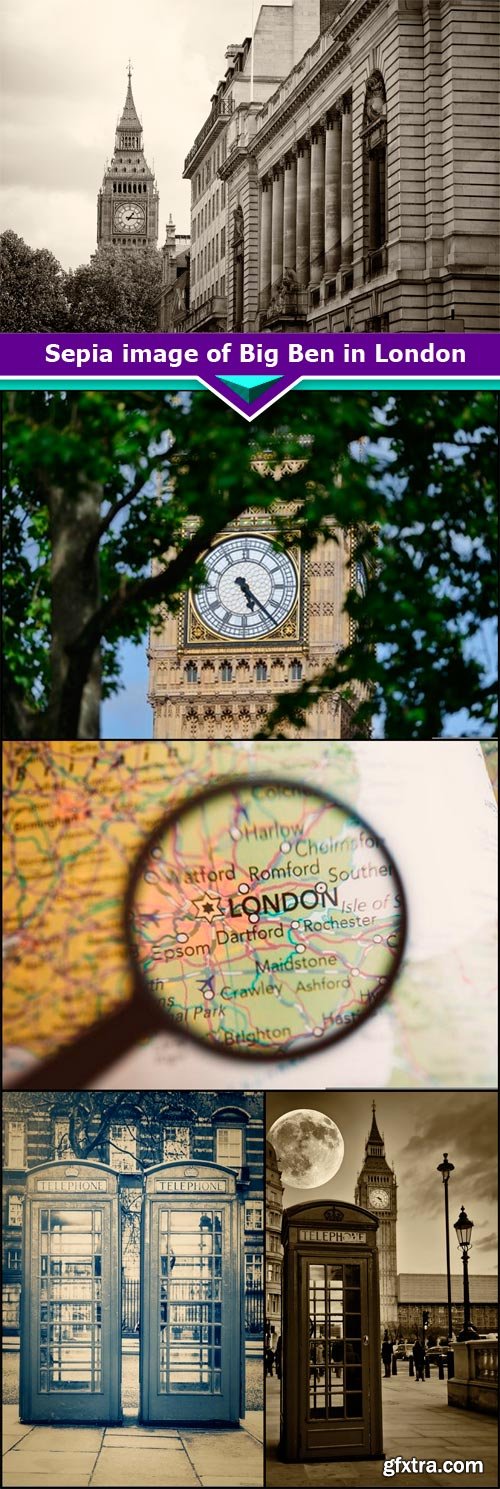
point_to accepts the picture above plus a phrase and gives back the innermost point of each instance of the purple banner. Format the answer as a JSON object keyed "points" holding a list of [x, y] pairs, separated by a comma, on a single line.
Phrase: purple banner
{"points": [[247, 370]]}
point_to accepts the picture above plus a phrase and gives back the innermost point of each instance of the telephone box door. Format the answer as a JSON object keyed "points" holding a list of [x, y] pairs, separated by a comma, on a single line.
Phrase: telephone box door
{"points": [[70, 1308], [335, 1363], [331, 1405], [192, 1343]]}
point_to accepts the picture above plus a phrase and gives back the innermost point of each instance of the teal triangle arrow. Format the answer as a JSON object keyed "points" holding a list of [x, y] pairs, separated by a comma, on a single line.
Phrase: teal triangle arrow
{"points": [[248, 388]]}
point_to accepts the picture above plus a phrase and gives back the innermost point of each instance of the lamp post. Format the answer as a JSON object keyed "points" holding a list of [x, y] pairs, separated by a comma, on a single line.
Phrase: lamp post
{"points": [[445, 1169], [463, 1227]]}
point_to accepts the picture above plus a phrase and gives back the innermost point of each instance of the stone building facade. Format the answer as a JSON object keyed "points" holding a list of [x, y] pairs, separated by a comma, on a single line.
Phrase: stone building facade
{"points": [[281, 36], [376, 1190], [194, 1125], [127, 204], [207, 685], [274, 1249], [173, 307], [361, 193], [418, 1291]]}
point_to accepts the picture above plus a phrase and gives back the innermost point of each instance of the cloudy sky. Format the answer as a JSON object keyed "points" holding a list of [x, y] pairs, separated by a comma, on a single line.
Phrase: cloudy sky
{"points": [[417, 1128], [63, 87]]}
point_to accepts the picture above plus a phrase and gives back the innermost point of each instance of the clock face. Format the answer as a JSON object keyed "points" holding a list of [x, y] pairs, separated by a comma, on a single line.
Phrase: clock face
{"points": [[249, 588], [379, 1199], [130, 217]]}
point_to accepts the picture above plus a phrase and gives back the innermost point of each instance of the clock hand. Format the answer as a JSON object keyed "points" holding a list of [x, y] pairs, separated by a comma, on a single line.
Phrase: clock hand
{"points": [[252, 600]]}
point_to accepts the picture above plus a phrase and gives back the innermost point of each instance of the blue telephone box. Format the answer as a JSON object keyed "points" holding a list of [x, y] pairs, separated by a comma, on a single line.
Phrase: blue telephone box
{"points": [[192, 1297], [70, 1363]]}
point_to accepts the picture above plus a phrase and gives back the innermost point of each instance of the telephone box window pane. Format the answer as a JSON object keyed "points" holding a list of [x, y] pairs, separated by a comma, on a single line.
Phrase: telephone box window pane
{"points": [[353, 1325], [353, 1276], [70, 1308], [353, 1300], [354, 1405], [354, 1379], [353, 1352], [189, 1301]]}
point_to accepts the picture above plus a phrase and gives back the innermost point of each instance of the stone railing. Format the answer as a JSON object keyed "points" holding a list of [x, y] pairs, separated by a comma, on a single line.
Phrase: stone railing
{"points": [[219, 114], [475, 1381], [214, 308]]}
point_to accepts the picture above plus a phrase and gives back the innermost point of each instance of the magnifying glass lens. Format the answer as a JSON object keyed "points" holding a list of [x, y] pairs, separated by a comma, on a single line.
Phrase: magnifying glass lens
{"points": [[266, 918]]}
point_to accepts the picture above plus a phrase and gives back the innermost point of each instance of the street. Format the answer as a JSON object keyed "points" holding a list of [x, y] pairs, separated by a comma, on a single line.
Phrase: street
{"points": [[417, 1423]]}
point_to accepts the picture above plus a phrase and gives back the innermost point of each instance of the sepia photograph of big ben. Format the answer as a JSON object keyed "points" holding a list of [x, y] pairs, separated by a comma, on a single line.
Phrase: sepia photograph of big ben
{"points": [[306, 166]]}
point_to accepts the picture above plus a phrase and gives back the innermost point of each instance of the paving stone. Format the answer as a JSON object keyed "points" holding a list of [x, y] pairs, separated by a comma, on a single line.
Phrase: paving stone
{"points": [[20, 1481], [10, 1419], [165, 1433], [10, 1440], [156, 1441], [168, 1470], [417, 1424], [64, 1466], [222, 1482], [64, 1439]]}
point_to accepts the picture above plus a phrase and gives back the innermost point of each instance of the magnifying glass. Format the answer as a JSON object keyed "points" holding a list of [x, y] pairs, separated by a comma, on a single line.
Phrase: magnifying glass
{"points": [[263, 918]]}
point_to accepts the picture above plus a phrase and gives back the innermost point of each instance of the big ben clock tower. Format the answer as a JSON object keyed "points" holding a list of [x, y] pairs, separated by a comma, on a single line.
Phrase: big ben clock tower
{"points": [[264, 619], [376, 1190], [127, 205]]}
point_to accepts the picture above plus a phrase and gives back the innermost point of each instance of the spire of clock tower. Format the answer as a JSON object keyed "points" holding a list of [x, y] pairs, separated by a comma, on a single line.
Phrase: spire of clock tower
{"points": [[130, 121], [374, 1147]]}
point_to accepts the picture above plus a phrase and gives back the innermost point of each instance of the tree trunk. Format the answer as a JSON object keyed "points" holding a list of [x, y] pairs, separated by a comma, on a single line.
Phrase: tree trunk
{"points": [[75, 597]]}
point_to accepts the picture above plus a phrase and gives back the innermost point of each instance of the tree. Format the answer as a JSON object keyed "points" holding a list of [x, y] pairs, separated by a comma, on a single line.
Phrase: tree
{"points": [[32, 288], [118, 290], [99, 484]]}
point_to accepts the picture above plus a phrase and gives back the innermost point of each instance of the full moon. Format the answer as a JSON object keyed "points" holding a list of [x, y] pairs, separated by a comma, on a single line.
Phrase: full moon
{"points": [[309, 1147]]}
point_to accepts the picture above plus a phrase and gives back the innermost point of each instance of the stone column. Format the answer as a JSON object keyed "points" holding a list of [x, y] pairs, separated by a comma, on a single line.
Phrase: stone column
{"points": [[346, 211], [303, 212], [333, 142], [317, 204], [277, 226], [290, 213], [266, 206]]}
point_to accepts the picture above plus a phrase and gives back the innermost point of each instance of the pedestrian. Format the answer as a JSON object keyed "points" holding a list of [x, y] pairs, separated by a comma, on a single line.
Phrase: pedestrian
{"points": [[269, 1358], [418, 1359], [387, 1348], [277, 1357]]}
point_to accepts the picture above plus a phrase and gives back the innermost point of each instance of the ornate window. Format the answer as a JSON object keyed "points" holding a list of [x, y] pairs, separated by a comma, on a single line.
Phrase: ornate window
{"points": [[261, 671], [62, 1144], [229, 1124], [296, 671], [229, 1145], [239, 266], [253, 1270], [16, 1144], [226, 672], [123, 1148], [375, 176], [176, 1143], [15, 1209], [254, 1215], [192, 672]]}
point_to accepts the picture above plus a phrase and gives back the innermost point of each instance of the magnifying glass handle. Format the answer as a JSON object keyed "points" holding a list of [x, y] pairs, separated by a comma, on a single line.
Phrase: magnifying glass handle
{"points": [[77, 1063]]}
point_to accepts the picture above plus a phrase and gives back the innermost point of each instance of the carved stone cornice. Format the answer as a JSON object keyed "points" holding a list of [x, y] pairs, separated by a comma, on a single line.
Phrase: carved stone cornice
{"points": [[306, 86]]}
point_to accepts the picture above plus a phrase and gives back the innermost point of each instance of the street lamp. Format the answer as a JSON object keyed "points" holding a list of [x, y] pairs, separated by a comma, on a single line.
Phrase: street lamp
{"points": [[464, 1227], [445, 1169]]}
